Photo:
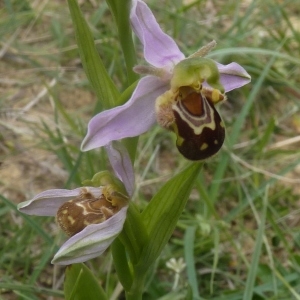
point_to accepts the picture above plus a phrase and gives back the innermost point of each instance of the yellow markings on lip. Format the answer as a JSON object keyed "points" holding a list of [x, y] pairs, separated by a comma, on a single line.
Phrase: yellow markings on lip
{"points": [[206, 118], [71, 220], [180, 140], [195, 121], [86, 209], [86, 223], [203, 146]]}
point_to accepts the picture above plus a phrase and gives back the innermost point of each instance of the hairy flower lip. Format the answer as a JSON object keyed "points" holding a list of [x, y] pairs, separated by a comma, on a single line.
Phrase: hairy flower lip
{"points": [[92, 241]]}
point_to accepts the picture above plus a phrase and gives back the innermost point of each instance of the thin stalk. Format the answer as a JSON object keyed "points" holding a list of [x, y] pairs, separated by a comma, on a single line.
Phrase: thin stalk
{"points": [[137, 288], [121, 10]]}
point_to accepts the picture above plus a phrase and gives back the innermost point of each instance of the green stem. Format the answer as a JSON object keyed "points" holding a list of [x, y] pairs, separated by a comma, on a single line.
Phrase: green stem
{"points": [[131, 146], [121, 264], [134, 235], [136, 291], [121, 10]]}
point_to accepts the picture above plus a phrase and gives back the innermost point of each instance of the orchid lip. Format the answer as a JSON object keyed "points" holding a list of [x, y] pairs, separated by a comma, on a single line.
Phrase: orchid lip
{"points": [[91, 242]]}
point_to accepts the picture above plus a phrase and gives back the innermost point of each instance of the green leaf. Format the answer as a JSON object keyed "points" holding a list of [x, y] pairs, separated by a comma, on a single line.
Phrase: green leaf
{"points": [[252, 274], [266, 135], [121, 264], [81, 284], [95, 71], [189, 241], [161, 215], [134, 234], [126, 94], [121, 10]]}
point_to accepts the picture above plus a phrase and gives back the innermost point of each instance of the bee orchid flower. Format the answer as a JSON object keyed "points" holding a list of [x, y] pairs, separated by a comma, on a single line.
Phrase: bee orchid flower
{"points": [[177, 92], [92, 216]]}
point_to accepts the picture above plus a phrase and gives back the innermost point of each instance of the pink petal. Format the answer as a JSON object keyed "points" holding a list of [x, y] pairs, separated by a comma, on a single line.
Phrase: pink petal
{"points": [[122, 165], [233, 76], [131, 119], [92, 241], [47, 203], [160, 50]]}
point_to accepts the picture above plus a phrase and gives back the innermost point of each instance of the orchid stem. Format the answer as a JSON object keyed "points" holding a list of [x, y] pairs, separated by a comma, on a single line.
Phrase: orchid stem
{"points": [[120, 10], [137, 288]]}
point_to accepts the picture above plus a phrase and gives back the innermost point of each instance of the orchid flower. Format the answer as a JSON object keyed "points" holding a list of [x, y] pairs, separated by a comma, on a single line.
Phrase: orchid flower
{"points": [[92, 216], [195, 82]]}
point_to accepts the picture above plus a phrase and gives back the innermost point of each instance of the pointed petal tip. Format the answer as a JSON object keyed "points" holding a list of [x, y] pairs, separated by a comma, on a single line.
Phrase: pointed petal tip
{"points": [[21, 205], [84, 147], [160, 50], [247, 75], [92, 139], [122, 165], [233, 76]]}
